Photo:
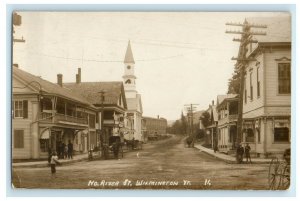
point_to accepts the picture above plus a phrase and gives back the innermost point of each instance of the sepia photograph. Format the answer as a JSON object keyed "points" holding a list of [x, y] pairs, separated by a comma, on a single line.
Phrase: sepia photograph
{"points": [[151, 100]]}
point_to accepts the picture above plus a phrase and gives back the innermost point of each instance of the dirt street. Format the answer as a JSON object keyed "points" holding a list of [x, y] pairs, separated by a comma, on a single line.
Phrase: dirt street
{"points": [[166, 164]]}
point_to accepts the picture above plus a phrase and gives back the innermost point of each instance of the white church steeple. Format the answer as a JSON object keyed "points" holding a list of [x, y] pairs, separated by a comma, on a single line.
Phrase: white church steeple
{"points": [[129, 77]]}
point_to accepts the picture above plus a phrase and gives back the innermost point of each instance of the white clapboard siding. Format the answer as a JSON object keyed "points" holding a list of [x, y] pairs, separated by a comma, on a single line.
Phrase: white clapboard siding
{"points": [[272, 96], [254, 106]]}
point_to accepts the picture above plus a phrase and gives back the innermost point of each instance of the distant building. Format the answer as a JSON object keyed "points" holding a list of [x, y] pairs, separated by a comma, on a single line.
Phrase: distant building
{"points": [[211, 129], [133, 117], [227, 109], [155, 126], [112, 103]]}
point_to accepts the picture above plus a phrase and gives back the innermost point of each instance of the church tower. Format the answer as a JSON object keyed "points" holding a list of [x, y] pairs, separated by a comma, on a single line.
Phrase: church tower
{"points": [[129, 77]]}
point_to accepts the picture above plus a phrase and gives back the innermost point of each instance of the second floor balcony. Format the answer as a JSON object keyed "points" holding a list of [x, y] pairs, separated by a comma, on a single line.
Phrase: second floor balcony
{"points": [[48, 117]]}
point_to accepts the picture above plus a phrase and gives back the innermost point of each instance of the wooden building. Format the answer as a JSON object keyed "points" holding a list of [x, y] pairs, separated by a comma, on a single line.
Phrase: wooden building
{"points": [[267, 91]]}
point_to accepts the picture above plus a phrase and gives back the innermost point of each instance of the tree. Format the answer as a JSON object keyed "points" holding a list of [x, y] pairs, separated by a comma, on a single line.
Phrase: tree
{"points": [[205, 119], [234, 82], [183, 124]]}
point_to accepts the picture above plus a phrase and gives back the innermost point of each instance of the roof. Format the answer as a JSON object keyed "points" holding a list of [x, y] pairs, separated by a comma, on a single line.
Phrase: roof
{"points": [[128, 56], [224, 98], [221, 98], [48, 87], [91, 91], [278, 28]]}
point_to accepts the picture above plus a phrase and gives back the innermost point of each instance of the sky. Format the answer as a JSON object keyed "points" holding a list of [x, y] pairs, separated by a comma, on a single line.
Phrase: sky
{"points": [[180, 57]]}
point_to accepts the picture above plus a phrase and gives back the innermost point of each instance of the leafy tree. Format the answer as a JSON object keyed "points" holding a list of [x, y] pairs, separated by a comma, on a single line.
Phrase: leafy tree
{"points": [[184, 124], [234, 82], [205, 119]]}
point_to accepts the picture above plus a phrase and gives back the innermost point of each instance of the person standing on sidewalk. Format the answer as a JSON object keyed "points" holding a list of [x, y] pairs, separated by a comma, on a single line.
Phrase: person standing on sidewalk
{"points": [[240, 153], [215, 147], [70, 150], [54, 160], [247, 153]]}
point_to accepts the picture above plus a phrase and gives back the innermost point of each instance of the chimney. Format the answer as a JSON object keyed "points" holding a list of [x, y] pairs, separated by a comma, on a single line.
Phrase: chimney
{"points": [[78, 76], [59, 79], [77, 79], [158, 116]]}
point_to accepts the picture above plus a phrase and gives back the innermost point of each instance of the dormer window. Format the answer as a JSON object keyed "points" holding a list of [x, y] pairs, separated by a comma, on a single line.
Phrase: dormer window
{"points": [[128, 81], [128, 67]]}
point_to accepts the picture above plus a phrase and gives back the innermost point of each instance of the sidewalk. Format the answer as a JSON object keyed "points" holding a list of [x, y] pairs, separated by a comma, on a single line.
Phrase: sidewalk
{"points": [[229, 158], [76, 158]]}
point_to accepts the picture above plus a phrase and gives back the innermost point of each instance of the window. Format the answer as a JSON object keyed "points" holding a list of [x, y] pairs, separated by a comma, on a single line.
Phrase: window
{"points": [[251, 87], [92, 119], [245, 96], [258, 83], [128, 67], [284, 78], [250, 135], [44, 145], [18, 138], [20, 109], [281, 134], [128, 81]]}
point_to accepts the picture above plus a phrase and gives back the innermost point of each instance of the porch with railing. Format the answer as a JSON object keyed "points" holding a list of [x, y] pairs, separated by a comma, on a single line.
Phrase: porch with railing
{"points": [[59, 118]]}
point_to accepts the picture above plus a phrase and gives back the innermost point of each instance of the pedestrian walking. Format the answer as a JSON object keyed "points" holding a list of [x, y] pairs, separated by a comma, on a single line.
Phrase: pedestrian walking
{"points": [[247, 153], [54, 160], [70, 150]]}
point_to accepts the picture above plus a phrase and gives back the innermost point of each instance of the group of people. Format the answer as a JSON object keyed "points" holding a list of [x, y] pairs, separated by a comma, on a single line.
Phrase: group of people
{"points": [[240, 151], [65, 151]]}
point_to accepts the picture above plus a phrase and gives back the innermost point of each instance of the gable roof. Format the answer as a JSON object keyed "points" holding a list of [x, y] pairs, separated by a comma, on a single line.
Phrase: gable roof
{"points": [[48, 87], [128, 56], [91, 91]]}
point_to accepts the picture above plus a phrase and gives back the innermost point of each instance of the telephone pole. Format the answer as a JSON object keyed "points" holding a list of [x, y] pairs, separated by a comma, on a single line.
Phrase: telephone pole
{"points": [[242, 60], [190, 109]]}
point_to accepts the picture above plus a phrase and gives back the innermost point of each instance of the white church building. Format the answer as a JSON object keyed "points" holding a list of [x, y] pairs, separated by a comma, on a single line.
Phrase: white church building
{"points": [[133, 120]]}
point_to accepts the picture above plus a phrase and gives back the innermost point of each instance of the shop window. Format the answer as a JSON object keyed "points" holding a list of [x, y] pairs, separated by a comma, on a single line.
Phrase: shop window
{"points": [[281, 134], [18, 138], [44, 145], [250, 135]]}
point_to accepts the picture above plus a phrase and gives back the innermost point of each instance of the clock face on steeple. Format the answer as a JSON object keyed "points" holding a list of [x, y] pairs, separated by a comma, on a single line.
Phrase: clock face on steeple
{"points": [[128, 67]]}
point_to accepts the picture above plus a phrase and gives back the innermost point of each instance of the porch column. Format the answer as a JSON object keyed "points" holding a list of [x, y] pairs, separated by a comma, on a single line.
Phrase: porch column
{"points": [[35, 131]]}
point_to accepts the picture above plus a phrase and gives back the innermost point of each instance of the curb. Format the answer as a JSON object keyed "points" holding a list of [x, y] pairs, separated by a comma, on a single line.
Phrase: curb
{"points": [[232, 161], [46, 164]]}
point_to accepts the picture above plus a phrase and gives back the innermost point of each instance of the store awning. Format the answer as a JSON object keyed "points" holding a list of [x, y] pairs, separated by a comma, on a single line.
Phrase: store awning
{"points": [[45, 135]]}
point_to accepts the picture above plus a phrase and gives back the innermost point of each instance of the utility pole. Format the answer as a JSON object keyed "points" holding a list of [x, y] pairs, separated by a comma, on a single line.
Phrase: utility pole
{"points": [[242, 60], [190, 109]]}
